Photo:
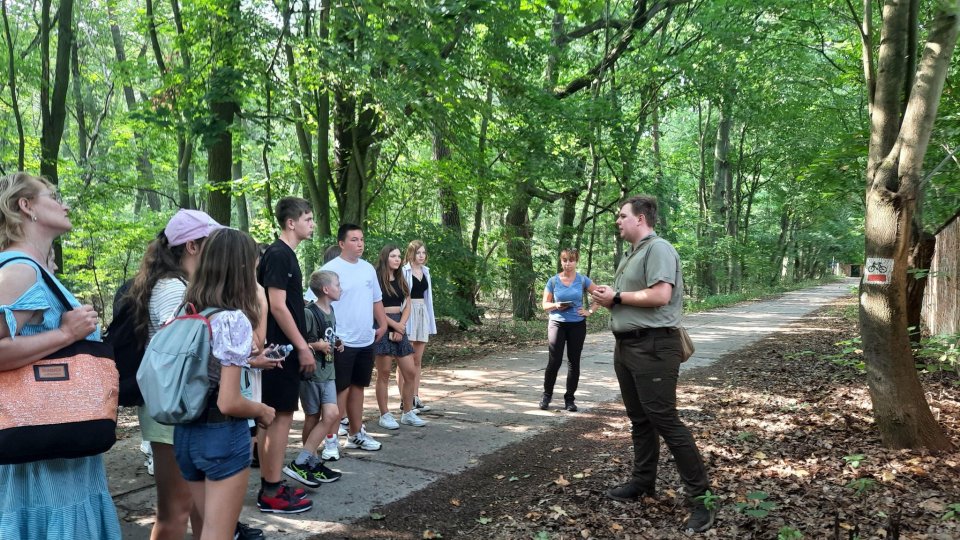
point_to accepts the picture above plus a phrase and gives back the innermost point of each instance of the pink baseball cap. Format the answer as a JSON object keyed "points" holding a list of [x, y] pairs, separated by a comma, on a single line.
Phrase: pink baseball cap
{"points": [[187, 225]]}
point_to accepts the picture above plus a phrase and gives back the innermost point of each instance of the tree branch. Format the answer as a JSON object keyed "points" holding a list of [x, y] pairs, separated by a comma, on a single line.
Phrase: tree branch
{"points": [[588, 29], [921, 110], [641, 16]]}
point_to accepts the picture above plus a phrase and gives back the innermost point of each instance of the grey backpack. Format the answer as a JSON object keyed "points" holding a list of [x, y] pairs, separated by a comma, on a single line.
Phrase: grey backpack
{"points": [[174, 374]]}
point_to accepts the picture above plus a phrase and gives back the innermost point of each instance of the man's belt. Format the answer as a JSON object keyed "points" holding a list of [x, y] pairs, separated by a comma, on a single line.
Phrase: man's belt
{"points": [[639, 333]]}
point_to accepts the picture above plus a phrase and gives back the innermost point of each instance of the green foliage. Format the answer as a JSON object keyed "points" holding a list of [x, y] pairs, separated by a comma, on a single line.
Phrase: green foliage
{"points": [[940, 353], [709, 500], [952, 513], [789, 533], [850, 355], [854, 460], [861, 485], [407, 79], [756, 505]]}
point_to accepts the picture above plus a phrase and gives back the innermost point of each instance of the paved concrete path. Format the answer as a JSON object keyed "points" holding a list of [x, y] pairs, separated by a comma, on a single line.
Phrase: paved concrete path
{"points": [[479, 406]]}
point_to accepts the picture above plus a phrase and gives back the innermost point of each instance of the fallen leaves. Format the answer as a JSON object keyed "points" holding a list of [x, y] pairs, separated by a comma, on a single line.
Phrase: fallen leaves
{"points": [[807, 445]]}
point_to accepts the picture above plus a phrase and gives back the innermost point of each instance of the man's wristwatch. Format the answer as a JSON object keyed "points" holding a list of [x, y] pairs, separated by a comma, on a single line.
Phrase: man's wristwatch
{"points": [[617, 299]]}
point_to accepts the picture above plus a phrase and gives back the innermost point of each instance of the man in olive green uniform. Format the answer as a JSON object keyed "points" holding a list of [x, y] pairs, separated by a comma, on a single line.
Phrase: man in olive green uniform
{"points": [[645, 302]]}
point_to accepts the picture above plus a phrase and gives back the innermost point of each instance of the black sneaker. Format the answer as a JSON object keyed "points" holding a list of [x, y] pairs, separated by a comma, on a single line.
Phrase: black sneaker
{"points": [[545, 402], [700, 520], [628, 492], [301, 473], [570, 406], [246, 532], [323, 474]]}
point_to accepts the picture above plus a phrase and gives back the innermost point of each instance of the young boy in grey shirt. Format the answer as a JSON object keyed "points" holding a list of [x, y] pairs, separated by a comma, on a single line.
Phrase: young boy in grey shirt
{"points": [[318, 394]]}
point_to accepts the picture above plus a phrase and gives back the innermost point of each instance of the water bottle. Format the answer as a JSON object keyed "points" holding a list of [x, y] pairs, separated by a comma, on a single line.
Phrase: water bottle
{"points": [[280, 352]]}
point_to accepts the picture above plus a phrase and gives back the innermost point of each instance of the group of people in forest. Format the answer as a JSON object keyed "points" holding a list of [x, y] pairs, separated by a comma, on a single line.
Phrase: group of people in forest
{"points": [[272, 349], [275, 349]]}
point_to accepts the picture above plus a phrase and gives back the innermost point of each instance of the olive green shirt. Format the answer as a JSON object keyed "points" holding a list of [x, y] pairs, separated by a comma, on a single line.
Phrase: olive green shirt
{"points": [[653, 261], [315, 332]]}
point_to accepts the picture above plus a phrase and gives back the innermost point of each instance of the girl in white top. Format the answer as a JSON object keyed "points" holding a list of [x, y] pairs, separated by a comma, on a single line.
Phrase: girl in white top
{"points": [[421, 323], [213, 453]]}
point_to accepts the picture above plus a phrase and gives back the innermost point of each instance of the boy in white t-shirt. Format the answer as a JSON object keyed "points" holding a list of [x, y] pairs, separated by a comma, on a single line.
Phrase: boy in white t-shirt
{"points": [[361, 301]]}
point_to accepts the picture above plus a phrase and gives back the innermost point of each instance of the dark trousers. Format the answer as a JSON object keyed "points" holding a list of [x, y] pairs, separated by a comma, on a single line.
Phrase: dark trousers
{"points": [[647, 369], [571, 336]]}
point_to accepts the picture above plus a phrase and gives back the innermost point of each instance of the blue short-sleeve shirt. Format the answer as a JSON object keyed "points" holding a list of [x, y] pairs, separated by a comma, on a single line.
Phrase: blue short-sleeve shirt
{"points": [[572, 293]]}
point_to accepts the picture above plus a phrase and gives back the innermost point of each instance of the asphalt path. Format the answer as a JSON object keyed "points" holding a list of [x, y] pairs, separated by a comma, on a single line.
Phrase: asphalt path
{"points": [[478, 405]]}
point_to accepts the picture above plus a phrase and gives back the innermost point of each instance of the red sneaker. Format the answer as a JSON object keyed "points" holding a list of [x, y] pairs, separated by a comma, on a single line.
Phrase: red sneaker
{"points": [[284, 502]]}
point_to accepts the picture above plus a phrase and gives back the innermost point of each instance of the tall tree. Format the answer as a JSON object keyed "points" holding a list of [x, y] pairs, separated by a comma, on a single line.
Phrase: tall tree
{"points": [[903, 107], [53, 106], [224, 84], [12, 83]]}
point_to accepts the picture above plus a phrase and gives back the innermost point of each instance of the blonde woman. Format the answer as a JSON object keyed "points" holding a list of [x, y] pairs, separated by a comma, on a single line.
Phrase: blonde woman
{"points": [[55, 498], [422, 323]]}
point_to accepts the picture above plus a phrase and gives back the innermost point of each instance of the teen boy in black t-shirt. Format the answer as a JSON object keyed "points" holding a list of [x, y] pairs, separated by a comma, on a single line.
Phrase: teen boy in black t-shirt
{"points": [[279, 274]]}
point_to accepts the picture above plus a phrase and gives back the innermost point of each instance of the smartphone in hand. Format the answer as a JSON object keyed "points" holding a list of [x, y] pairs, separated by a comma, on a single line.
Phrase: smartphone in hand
{"points": [[565, 305]]}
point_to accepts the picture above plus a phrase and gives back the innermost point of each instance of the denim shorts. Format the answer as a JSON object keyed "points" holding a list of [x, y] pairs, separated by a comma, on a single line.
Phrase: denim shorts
{"points": [[212, 451], [314, 394]]}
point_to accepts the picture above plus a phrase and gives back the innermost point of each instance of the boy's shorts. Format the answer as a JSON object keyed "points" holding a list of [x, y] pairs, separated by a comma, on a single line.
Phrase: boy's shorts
{"points": [[354, 367], [314, 394]]}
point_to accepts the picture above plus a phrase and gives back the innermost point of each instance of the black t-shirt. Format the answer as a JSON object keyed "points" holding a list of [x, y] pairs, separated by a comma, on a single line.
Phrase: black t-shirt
{"points": [[279, 269]]}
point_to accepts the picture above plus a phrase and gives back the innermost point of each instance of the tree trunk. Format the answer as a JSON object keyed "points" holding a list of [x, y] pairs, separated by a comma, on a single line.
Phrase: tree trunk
{"points": [[718, 203], [220, 163], [353, 138], [12, 83], [236, 174], [449, 209], [922, 247], [53, 108], [144, 167], [519, 236], [223, 108], [83, 136], [703, 203], [898, 143]]}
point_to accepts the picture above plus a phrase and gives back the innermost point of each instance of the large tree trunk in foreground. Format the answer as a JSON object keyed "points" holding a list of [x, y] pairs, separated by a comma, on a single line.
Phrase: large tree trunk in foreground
{"points": [[897, 147]]}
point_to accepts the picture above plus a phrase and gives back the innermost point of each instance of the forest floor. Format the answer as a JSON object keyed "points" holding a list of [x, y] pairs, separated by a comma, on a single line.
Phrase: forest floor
{"points": [[785, 428]]}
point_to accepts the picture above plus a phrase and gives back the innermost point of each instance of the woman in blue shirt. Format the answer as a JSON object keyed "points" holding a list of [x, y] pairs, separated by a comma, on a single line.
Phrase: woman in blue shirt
{"points": [[50, 498], [567, 328]]}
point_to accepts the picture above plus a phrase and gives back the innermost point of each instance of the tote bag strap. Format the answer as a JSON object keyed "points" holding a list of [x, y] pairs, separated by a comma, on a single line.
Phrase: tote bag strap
{"points": [[47, 278]]}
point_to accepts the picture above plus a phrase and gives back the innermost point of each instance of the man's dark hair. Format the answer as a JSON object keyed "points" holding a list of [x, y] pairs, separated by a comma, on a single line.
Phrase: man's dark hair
{"points": [[643, 204], [291, 208], [345, 229]]}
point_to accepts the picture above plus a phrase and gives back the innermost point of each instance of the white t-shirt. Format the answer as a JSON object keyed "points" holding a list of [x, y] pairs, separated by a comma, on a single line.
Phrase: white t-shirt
{"points": [[359, 291]]}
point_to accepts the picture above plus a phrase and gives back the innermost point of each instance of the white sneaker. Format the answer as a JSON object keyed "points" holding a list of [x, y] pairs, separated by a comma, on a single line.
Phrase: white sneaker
{"points": [[387, 421], [344, 424], [419, 406], [147, 450], [331, 449], [411, 419], [363, 441]]}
